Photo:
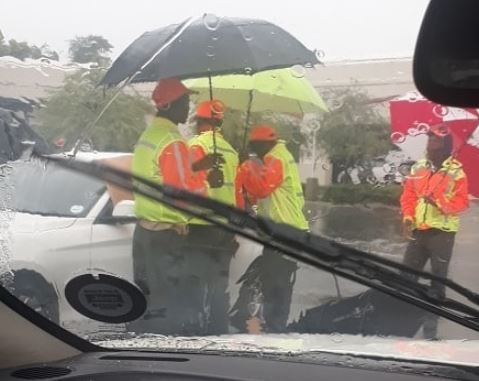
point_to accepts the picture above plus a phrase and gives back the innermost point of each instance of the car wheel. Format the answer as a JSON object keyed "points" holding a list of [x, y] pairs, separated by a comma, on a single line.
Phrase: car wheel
{"points": [[33, 290]]}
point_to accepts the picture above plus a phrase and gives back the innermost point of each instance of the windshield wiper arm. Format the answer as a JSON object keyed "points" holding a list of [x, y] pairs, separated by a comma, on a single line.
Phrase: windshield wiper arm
{"points": [[370, 270]]}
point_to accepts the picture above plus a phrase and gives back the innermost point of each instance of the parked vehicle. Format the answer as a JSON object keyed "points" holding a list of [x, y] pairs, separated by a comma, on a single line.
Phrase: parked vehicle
{"points": [[61, 223]]}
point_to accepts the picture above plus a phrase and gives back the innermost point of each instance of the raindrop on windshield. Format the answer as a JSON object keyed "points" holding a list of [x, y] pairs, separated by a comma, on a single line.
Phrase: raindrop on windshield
{"points": [[210, 51], [397, 138], [336, 337], [422, 128], [319, 54], [325, 167], [440, 111], [248, 70], [211, 21], [412, 96], [412, 131], [248, 38], [298, 71], [335, 104]]}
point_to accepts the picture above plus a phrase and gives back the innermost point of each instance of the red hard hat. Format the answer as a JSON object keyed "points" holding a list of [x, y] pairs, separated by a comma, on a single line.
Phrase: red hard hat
{"points": [[263, 132], [168, 90], [214, 109]]}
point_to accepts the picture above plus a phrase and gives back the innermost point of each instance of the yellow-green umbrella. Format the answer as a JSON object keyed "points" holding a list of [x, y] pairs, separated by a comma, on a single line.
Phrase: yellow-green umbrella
{"points": [[282, 90]]}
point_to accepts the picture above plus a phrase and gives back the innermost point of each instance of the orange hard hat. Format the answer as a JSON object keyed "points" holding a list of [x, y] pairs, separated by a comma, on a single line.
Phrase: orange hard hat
{"points": [[213, 109], [263, 132], [168, 90]]}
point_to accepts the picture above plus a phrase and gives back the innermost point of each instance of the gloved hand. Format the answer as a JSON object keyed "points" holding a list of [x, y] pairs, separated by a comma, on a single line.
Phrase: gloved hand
{"points": [[208, 162], [215, 178]]}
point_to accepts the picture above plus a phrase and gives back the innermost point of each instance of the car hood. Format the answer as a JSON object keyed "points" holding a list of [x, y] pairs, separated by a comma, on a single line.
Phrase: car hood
{"points": [[18, 222]]}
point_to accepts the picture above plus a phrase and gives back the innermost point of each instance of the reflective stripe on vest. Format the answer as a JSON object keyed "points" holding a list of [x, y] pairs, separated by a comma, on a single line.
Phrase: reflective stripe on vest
{"points": [[226, 193], [148, 150], [285, 204]]}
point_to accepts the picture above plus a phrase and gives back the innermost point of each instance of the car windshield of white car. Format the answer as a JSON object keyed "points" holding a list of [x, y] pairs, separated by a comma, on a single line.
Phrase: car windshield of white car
{"points": [[48, 190]]}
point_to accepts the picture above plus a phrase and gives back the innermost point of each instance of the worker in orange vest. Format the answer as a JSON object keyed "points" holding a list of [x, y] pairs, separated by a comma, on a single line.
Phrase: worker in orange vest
{"points": [[217, 245], [434, 195], [272, 181], [162, 266]]}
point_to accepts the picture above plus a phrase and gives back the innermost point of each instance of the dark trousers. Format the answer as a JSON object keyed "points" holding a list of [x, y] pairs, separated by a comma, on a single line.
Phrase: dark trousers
{"points": [[185, 280], [436, 246], [266, 292], [217, 248], [162, 271], [277, 279]]}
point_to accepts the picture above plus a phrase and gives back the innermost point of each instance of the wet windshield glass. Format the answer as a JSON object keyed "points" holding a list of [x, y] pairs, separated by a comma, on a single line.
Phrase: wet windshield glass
{"points": [[305, 118], [33, 187]]}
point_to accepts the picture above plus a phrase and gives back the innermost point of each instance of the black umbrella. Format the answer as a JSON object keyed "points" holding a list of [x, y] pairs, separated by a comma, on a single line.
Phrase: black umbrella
{"points": [[208, 46]]}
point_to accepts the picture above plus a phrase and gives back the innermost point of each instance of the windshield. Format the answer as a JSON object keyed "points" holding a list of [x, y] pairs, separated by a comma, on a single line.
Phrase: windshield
{"points": [[308, 118], [35, 188]]}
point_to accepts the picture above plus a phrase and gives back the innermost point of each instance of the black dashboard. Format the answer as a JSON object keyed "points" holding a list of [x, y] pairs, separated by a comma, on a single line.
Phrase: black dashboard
{"points": [[146, 366]]}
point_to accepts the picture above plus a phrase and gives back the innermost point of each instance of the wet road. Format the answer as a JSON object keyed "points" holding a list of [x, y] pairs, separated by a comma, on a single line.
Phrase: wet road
{"points": [[315, 286]]}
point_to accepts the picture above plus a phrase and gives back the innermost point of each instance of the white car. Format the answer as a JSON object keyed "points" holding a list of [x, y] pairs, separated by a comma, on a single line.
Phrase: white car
{"points": [[59, 224]]}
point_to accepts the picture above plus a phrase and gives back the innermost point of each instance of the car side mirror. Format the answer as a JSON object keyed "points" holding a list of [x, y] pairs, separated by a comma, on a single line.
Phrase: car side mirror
{"points": [[446, 59], [124, 208]]}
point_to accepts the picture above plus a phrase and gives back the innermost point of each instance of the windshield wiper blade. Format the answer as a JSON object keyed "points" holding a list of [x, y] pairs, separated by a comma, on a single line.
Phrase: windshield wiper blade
{"points": [[367, 269]]}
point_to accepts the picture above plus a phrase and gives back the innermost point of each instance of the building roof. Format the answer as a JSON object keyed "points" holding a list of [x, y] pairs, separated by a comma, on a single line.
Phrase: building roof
{"points": [[382, 79]]}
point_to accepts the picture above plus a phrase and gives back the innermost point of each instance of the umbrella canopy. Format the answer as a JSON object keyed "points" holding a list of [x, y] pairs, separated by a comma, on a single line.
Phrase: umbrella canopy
{"points": [[282, 90], [208, 46], [411, 117]]}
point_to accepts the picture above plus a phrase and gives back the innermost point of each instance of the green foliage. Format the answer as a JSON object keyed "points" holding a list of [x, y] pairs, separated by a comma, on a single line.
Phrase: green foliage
{"points": [[353, 130], [22, 50], [90, 48], [360, 194], [74, 106]]}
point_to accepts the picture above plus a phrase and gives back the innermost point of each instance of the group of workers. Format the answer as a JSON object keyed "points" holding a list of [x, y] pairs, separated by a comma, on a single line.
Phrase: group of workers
{"points": [[182, 262]]}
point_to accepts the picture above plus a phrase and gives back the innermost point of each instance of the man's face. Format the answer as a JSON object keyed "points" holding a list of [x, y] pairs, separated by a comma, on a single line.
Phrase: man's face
{"points": [[434, 144], [261, 148], [203, 125], [182, 108]]}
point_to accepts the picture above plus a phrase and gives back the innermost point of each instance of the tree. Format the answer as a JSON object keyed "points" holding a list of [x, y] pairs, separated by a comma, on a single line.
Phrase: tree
{"points": [[22, 50], [353, 131], [70, 109], [90, 48], [4, 49]]}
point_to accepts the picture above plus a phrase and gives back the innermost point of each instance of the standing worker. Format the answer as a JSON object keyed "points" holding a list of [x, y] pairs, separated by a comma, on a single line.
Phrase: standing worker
{"points": [[273, 181], [433, 196], [208, 148], [162, 266]]}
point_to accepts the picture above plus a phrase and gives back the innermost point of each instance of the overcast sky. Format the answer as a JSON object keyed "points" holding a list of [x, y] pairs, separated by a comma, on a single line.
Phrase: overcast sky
{"points": [[343, 29]]}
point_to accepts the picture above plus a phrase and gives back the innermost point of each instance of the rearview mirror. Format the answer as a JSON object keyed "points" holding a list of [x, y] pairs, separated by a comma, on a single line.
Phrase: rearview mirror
{"points": [[446, 60], [124, 208]]}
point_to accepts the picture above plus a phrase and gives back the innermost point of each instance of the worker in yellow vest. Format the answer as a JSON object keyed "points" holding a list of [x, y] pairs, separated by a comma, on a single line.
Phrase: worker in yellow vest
{"points": [[162, 267], [217, 245], [272, 180]]}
